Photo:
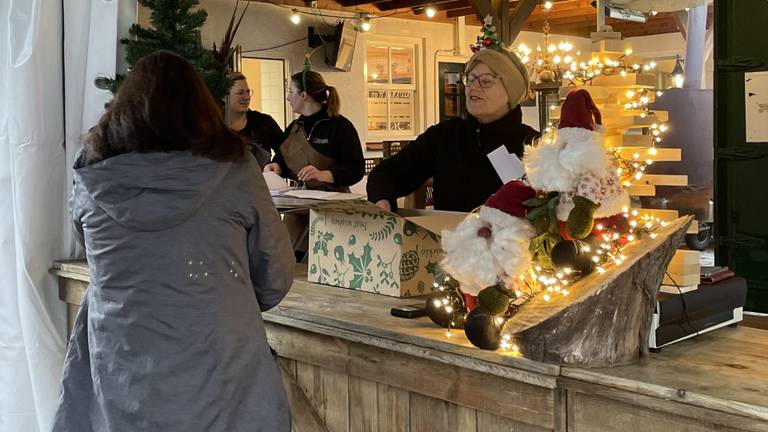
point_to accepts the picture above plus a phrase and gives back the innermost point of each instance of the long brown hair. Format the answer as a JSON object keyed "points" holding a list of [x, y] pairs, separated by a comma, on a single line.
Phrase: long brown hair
{"points": [[315, 86], [163, 105]]}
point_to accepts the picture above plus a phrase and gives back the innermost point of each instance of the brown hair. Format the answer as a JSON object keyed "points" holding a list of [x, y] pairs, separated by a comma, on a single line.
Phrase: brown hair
{"points": [[315, 86], [163, 105], [236, 76]]}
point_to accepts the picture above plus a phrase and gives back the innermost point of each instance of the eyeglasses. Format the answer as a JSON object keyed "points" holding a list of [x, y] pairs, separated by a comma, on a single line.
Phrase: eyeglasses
{"points": [[485, 80], [243, 93]]}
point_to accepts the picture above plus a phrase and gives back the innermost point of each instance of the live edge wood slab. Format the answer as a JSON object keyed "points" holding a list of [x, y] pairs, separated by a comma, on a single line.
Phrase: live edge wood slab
{"points": [[349, 365]]}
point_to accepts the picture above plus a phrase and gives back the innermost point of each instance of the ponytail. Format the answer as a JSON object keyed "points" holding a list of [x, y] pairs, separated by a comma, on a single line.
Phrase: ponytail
{"points": [[333, 104]]}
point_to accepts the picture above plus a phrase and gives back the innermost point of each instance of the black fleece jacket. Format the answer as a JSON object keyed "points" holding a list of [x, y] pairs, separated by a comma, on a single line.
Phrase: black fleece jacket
{"points": [[263, 135], [335, 137], [454, 154]]}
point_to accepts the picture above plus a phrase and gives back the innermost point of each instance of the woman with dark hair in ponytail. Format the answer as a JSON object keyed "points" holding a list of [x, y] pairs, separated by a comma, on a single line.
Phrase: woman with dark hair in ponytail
{"points": [[321, 148]]}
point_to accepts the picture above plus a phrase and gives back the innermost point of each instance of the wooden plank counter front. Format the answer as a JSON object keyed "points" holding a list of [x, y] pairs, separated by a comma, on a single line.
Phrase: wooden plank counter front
{"points": [[350, 365]]}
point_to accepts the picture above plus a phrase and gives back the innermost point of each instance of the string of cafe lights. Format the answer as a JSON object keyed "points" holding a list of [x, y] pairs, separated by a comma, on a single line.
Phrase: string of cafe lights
{"points": [[365, 19]]}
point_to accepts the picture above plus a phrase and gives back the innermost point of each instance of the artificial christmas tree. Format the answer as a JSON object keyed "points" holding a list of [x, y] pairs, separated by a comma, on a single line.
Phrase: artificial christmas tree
{"points": [[176, 28]]}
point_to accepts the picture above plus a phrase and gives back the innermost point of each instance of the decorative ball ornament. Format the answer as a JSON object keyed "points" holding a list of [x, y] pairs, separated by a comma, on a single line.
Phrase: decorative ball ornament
{"points": [[446, 309], [487, 42], [564, 254], [572, 254], [483, 329]]}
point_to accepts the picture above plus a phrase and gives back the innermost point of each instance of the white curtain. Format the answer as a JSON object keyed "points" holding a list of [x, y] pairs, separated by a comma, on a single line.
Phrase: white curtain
{"points": [[34, 183]]}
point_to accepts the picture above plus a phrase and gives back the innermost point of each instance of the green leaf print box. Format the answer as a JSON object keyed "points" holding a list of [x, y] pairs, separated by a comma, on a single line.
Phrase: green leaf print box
{"points": [[354, 244]]}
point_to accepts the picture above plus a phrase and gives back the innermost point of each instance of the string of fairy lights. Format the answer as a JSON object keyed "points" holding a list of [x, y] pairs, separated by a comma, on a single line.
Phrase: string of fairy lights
{"points": [[554, 284], [608, 249]]}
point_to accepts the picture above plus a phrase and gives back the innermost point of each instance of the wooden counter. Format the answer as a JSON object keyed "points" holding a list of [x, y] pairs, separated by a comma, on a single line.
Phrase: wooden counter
{"points": [[351, 366]]}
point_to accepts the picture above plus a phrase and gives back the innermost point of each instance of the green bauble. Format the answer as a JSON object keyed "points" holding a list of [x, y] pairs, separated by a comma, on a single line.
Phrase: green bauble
{"points": [[581, 218], [495, 299], [409, 265]]}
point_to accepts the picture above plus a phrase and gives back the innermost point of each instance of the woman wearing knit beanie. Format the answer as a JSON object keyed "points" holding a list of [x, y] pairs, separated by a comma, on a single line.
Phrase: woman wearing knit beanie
{"points": [[454, 153]]}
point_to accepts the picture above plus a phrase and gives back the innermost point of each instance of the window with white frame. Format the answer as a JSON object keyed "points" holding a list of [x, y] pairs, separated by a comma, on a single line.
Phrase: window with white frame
{"points": [[391, 84]]}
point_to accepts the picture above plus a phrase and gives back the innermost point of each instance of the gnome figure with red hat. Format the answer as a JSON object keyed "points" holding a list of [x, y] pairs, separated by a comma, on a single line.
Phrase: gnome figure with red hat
{"points": [[574, 163], [491, 244]]}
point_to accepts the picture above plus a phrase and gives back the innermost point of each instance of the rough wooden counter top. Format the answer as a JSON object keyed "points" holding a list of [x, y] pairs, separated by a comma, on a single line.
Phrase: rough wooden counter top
{"points": [[724, 372]]}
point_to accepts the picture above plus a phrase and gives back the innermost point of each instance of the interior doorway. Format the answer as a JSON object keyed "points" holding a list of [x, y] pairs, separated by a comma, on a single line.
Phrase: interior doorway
{"points": [[267, 79]]}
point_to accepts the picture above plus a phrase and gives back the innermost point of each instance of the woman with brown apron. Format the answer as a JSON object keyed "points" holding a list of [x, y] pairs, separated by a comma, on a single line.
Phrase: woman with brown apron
{"points": [[321, 149]]}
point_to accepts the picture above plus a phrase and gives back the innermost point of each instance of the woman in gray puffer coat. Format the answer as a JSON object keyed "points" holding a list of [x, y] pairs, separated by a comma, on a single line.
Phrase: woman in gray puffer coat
{"points": [[186, 250]]}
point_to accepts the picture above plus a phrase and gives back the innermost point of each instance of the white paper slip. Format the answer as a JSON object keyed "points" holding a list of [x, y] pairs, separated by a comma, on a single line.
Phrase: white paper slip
{"points": [[507, 165], [275, 183], [321, 195]]}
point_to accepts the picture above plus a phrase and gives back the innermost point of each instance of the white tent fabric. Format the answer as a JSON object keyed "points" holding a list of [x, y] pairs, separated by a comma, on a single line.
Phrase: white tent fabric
{"points": [[34, 183]]}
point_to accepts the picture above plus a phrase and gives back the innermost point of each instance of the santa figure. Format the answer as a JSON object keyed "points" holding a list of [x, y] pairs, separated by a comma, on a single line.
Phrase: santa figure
{"points": [[491, 246], [574, 162]]}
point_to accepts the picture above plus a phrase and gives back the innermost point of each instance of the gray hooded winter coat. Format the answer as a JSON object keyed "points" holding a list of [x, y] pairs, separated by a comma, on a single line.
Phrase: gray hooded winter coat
{"points": [[184, 254]]}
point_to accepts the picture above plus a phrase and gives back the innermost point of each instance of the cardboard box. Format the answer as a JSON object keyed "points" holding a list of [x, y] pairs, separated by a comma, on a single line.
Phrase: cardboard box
{"points": [[684, 269], [356, 245]]}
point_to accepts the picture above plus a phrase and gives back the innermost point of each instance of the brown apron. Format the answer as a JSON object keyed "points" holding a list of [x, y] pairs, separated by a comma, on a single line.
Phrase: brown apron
{"points": [[298, 153]]}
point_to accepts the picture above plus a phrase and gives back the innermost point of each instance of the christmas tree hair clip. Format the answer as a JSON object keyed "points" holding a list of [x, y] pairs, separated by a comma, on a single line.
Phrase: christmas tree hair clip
{"points": [[489, 39], [307, 68]]}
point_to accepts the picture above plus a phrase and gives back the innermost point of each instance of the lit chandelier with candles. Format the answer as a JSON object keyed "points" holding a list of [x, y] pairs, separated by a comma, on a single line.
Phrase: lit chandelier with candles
{"points": [[552, 62]]}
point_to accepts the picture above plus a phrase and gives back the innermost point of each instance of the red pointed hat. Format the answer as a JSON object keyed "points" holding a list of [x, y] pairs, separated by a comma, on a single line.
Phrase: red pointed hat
{"points": [[578, 110], [509, 198]]}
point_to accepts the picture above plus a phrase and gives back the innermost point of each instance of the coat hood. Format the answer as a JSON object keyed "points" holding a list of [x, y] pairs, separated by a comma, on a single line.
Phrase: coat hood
{"points": [[151, 191]]}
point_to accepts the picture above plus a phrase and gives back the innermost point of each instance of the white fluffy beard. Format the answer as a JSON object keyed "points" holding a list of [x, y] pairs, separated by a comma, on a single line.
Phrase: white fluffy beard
{"points": [[477, 262], [557, 162]]}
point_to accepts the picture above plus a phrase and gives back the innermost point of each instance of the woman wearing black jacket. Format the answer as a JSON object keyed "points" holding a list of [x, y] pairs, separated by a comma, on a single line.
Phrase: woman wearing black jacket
{"points": [[454, 152], [260, 130], [321, 148]]}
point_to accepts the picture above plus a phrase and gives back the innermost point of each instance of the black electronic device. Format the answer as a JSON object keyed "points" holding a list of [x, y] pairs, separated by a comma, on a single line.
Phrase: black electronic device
{"points": [[688, 314], [409, 311], [339, 46]]}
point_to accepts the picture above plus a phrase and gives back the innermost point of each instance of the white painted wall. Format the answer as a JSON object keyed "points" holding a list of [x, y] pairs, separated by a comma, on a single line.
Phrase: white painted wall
{"points": [[666, 46]]}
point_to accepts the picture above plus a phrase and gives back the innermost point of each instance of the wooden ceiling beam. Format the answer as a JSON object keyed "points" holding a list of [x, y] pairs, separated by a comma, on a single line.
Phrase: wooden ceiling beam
{"points": [[403, 4], [451, 5], [351, 3], [560, 8], [455, 13], [519, 16]]}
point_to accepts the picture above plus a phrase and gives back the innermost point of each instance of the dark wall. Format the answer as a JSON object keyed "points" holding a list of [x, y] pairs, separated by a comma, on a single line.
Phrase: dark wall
{"points": [[741, 168]]}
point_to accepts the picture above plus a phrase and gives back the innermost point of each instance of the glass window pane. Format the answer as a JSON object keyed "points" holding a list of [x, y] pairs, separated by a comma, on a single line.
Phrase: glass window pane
{"points": [[452, 80], [401, 110], [376, 65], [402, 65], [377, 110]]}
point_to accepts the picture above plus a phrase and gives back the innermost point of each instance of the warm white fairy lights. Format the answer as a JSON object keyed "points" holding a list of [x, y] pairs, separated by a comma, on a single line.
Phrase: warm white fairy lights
{"points": [[584, 72]]}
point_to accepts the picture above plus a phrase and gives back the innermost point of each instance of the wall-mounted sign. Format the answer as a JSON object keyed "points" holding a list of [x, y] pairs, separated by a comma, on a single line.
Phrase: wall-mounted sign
{"points": [[756, 106]]}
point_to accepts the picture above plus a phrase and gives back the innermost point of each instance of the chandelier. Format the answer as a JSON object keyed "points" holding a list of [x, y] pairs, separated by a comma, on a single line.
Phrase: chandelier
{"points": [[553, 61]]}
